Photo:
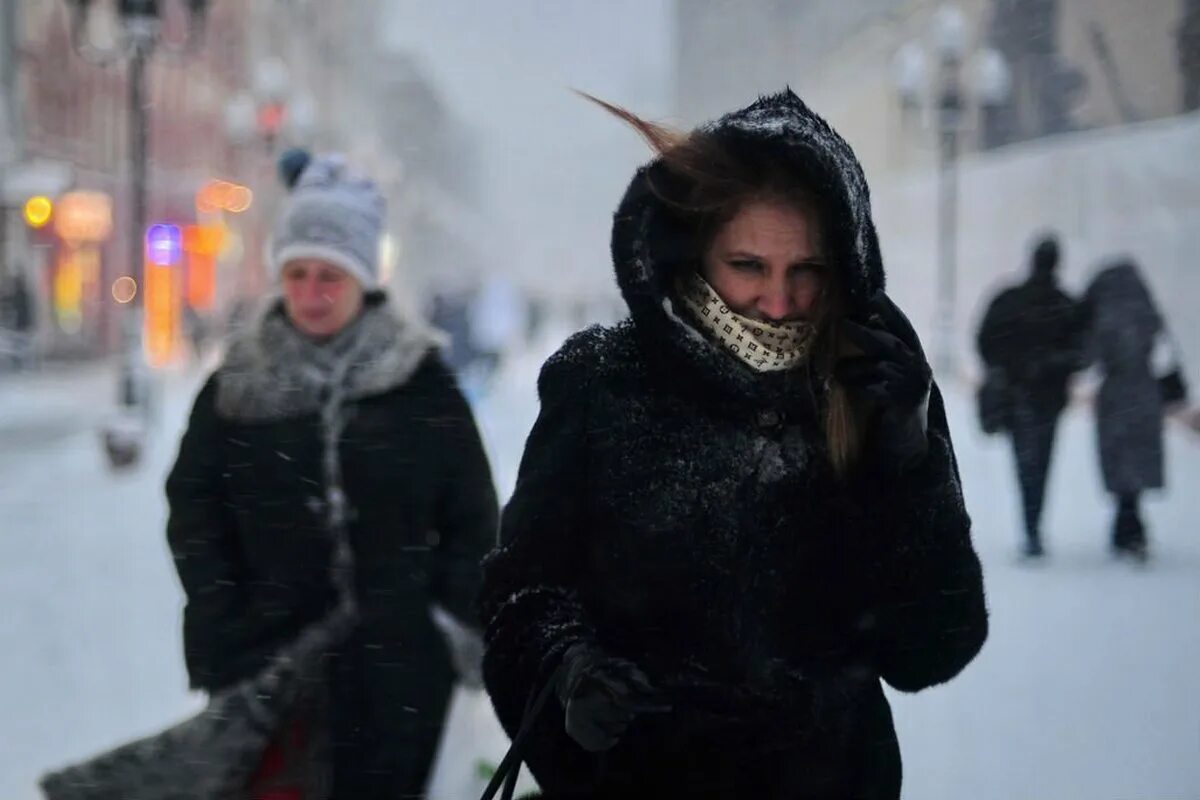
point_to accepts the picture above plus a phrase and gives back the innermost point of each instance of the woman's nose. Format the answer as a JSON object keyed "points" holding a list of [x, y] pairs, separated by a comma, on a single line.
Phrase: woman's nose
{"points": [[310, 290], [776, 303]]}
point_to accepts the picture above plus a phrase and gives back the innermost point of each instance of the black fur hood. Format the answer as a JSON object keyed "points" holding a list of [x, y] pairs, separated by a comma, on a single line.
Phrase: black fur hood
{"points": [[784, 124]]}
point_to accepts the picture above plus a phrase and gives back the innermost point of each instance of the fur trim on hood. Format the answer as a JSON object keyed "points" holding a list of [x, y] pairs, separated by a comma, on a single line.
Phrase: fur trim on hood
{"points": [[272, 371]]}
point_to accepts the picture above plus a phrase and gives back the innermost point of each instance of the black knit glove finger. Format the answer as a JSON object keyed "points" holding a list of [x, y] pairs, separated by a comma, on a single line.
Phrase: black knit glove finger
{"points": [[602, 696], [892, 376]]}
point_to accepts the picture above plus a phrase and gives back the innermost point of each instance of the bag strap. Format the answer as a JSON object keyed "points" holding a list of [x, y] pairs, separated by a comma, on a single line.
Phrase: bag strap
{"points": [[510, 765]]}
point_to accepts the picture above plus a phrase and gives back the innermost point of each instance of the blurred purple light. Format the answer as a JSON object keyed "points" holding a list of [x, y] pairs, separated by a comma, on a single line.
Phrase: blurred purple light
{"points": [[164, 244]]}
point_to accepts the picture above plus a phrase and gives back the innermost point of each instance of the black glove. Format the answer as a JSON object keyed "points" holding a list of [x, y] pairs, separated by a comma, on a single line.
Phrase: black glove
{"points": [[602, 695], [893, 376]]}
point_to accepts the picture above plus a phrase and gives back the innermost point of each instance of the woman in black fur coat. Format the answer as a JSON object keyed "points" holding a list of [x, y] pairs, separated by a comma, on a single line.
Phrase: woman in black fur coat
{"points": [[332, 416], [739, 509]]}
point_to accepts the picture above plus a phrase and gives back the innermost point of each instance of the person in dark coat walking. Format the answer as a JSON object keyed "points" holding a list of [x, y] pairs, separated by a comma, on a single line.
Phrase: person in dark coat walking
{"points": [[332, 399], [739, 508], [1125, 327], [1031, 342], [18, 313]]}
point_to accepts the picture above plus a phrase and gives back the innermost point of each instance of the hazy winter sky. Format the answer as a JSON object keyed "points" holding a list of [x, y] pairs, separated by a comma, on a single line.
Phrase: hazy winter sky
{"points": [[554, 166]]}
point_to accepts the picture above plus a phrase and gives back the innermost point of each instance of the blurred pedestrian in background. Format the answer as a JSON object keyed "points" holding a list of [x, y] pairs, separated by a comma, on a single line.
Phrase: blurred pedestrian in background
{"points": [[18, 320], [332, 416], [1125, 332], [1031, 342]]}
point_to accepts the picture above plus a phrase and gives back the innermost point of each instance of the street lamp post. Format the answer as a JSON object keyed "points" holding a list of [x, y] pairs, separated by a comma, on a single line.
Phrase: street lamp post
{"points": [[140, 37], [950, 37], [987, 84], [271, 110], [270, 114]]}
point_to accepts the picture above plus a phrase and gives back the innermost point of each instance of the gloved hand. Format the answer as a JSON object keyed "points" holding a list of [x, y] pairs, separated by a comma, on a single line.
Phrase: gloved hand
{"points": [[602, 695], [893, 376]]}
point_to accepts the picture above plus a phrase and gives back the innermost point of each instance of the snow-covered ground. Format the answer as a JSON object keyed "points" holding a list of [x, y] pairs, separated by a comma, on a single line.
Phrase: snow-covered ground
{"points": [[1084, 690]]}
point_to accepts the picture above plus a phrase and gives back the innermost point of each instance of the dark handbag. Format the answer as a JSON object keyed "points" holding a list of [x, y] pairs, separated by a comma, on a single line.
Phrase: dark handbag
{"points": [[510, 765], [1172, 387], [215, 754], [993, 402]]}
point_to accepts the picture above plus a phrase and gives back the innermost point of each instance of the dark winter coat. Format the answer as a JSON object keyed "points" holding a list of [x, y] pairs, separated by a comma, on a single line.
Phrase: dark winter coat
{"points": [[679, 510], [249, 496], [1124, 326], [1034, 333]]}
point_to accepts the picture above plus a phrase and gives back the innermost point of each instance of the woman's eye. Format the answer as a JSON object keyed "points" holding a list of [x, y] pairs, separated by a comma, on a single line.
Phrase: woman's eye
{"points": [[807, 270], [744, 265]]}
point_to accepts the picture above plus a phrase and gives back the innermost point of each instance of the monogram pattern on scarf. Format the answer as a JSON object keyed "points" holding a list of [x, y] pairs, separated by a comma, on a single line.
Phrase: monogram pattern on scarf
{"points": [[764, 346]]}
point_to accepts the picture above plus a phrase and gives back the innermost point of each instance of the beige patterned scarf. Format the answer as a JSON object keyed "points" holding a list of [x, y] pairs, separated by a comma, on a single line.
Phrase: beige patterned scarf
{"points": [[764, 346]]}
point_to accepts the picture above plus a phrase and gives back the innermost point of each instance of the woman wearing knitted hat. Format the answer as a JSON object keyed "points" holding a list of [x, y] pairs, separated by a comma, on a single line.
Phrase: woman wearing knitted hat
{"points": [[739, 509], [332, 426]]}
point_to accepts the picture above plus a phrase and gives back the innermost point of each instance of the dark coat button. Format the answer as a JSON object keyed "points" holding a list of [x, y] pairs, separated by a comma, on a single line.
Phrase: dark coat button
{"points": [[768, 418]]}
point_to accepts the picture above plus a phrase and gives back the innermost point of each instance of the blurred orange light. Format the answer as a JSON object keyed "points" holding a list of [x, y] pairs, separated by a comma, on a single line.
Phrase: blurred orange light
{"points": [[239, 199], [124, 289], [162, 320], [203, 240], [209, 198], [201, 285], [218, 195], [204, 203], [38, 211], [84, 216], [271, 118]]}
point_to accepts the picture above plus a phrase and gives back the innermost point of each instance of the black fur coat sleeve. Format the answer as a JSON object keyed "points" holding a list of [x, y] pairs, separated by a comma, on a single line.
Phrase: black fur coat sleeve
{"points": [[465, 509], [202, 535], [929, 618], [528, 602]]}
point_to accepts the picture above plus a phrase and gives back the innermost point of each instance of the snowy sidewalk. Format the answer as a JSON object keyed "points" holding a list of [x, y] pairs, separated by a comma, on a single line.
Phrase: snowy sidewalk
{"points": [[1086, 687], [90, 629], [53, 401]]}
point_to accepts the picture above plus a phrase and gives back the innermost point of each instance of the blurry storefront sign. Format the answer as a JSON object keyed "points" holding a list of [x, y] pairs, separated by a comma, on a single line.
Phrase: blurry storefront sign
{"points": [[84, 216], [203, 240], [76, 282], [162, 314], [83, 220], [202, 244], [68, 293], [164, 253]]}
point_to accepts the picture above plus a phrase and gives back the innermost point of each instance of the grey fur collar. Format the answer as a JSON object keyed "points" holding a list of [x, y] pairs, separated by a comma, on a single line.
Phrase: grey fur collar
{"points": [[271, 371]]}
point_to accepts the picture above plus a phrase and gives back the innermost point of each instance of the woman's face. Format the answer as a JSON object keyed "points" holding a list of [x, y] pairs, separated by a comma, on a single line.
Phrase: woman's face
{"points": [[766, 262], [320, 299]]}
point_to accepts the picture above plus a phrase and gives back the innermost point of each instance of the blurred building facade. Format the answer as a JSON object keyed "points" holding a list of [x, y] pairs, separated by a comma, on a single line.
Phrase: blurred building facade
{"points": [[73, 118], [436, 185], [1074, 64], [269, 74]]}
